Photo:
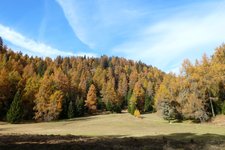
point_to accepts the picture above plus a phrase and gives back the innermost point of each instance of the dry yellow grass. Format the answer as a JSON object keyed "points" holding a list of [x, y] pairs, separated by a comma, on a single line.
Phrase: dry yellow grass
{"points": [[112, 124]]}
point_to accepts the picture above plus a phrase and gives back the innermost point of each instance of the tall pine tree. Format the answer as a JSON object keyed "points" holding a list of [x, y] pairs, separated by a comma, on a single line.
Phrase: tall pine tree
{"points": [[15, 113]]}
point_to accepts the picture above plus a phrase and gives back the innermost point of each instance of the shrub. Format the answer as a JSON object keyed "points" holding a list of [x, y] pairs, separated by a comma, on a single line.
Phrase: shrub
{"points": [[169, 111], [113, 107], [137, 113], [201, 116], [116, 108]]}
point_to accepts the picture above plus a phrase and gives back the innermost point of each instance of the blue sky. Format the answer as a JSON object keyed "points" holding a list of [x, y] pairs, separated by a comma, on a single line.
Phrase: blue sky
{"points": [[158, 32]]}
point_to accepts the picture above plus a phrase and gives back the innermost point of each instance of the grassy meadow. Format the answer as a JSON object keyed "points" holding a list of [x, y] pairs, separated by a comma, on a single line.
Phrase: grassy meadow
{"points": [[120, 131]]}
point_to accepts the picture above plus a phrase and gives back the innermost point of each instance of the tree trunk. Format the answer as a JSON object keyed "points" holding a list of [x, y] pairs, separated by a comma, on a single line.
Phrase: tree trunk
{"points": [[213, 113]]}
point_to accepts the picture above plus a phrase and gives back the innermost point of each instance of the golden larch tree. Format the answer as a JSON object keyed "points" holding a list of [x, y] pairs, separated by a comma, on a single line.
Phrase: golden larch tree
{"points": [[91, 101]]}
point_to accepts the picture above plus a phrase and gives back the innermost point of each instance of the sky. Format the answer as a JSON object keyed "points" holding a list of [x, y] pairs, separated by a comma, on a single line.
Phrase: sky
{"points": [[160, 33]]}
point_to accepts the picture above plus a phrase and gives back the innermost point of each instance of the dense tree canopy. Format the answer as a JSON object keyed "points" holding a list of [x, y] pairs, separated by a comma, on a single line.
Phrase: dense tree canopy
{"points": [[72, 86], [198, 91], [67, 87]]}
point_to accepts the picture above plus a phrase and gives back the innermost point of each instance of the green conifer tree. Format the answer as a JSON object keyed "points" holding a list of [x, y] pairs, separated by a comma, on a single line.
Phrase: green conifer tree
{"points": [[15, 112], [71, 110], [79, 107], [148, 105], [132, 104]]}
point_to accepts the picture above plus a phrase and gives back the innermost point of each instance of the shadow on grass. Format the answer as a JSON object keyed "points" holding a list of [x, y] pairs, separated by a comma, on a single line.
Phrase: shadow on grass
{"points": [[186, 141]]}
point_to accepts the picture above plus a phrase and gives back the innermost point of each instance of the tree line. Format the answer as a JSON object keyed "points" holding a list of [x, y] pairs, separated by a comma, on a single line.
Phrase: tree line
{"points": [[45, 89]]}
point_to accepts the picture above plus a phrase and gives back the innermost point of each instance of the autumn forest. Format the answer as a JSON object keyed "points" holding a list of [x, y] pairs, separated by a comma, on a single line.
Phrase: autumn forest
{"points": [[45, 89]]}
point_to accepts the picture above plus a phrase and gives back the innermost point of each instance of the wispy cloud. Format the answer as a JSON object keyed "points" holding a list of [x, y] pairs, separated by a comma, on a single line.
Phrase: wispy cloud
{"points": [[32, 46], [100, 24], [178, 37], [154, 35]]}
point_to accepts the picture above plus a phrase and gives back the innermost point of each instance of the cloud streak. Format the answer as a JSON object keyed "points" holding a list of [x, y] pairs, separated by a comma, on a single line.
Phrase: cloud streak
{"points": [[100, 24], [32, 46], [157, 36]]}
